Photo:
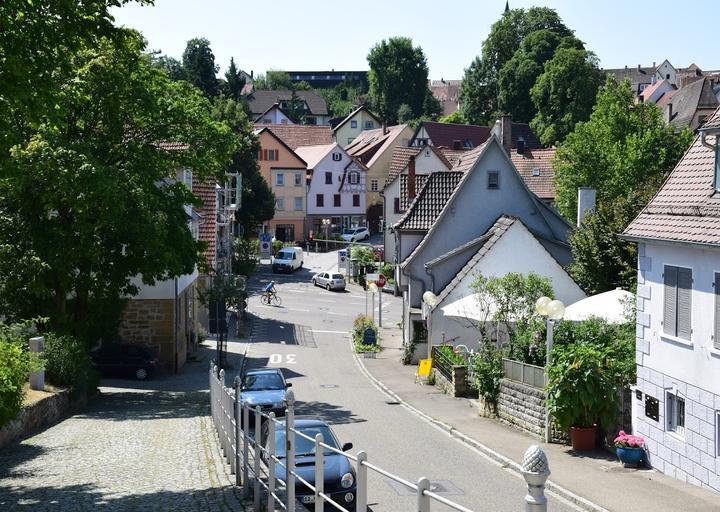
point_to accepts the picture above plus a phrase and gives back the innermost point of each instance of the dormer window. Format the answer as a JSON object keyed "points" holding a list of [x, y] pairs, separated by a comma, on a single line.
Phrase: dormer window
{"points": [[536, 171], [337, 157], [493, 180]]}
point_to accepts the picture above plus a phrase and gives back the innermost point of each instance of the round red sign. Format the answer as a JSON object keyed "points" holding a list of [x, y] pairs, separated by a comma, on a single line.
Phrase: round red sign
{"points": [[381, 281]]}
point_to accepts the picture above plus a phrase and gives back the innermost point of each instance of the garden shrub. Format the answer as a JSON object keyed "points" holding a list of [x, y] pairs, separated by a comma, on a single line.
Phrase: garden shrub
{"points": [[68, 364], [487, 370], [449, 352], [14, 372], [360, 325]]}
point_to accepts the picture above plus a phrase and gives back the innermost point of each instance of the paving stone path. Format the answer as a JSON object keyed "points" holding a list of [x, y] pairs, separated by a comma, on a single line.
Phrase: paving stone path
{"points": [[138, 446]]}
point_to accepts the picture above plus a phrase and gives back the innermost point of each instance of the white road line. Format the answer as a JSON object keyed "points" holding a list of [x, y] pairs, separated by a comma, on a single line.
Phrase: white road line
{"points": [[286, 309], [329, 332]]}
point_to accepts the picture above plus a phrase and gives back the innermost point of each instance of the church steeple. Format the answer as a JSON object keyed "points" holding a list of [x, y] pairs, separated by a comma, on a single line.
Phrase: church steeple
{"points": [[507, 5]]}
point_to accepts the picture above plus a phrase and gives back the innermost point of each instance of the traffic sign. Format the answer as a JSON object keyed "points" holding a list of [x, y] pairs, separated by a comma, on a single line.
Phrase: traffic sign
{"points": [[380, 281], [371, 278]]}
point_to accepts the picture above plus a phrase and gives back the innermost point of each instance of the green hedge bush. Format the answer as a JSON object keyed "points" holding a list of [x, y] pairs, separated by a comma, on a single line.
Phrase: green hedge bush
{"points": [[68, 364], [14, 372], [360, 325]]}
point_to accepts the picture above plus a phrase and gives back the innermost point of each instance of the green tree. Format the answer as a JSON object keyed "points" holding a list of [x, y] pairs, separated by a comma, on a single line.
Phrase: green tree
{"points": [[624, 146], [279, 81], [601, 260], [37, 40], [479, 90], [565, 93], [199, 64], [234, 81], [258, 201], [170, 65], [519, 74], [398, 75], [67, 250], [343, 99], [454, 118]]}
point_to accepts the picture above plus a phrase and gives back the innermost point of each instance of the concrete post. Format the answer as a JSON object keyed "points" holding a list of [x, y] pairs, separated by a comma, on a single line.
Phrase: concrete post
{"points": [[423, 501], [37, 377], [319, 477], [361, 486], [535, 470]]}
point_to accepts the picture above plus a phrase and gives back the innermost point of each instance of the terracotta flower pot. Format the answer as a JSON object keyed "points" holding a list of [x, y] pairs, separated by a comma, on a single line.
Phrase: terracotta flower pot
{"points": [[583, 439]]}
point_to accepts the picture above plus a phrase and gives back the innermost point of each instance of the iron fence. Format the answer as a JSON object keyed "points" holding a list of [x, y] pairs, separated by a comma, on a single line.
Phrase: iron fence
{"points": [[442, 363], [254, 462], [528, 374]]}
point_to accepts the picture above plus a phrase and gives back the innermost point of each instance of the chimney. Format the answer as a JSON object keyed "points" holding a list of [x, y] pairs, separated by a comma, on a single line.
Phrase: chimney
{"points": [[668, 113], [506, 132], [457, 144], [251, 73], [520, 146], [639, 66], [586, 203], [384, 128], [411, 179]]}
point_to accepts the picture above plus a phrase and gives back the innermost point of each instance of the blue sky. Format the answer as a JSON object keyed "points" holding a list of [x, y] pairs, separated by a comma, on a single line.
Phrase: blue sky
{"points": [[317, 34]]}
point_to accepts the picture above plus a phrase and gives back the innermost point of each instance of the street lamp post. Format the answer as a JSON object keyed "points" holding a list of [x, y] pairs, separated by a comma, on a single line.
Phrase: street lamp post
{"points": [[430, 300], [553, 310]]}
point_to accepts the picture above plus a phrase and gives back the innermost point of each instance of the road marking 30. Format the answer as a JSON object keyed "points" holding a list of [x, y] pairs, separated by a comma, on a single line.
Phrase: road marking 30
{"points": [[278, 359]]}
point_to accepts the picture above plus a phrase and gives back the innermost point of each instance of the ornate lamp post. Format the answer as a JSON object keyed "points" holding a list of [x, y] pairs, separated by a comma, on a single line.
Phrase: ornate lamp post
{"points": [[553, 310], [430, 300]]}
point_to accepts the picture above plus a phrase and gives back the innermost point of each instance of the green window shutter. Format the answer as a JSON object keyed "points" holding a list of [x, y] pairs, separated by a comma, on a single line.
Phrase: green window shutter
{"points": [[716, 337], [684, 303], [670, 301]]}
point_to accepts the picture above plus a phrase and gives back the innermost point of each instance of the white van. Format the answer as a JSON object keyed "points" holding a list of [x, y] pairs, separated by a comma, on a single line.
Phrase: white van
{"points": [[288, 259]]}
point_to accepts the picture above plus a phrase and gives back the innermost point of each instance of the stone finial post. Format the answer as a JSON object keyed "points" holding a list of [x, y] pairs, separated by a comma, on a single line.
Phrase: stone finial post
{"points": [[37, 376], [535, 470]]}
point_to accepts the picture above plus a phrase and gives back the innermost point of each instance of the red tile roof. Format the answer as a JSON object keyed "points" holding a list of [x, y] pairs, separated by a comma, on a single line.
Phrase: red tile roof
{"points": [[687, 207], [444, 134], [205, 191], [431, 199], [401, 155], [297, 135], [536, 168], [370, 144]]}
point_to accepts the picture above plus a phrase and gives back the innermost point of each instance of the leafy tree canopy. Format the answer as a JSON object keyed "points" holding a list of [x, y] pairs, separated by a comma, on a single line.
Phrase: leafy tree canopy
{"points": [[479, 90], [67, 250], [398, 75], [234, 81], [565, 93], [279, 81], [199, 65]]}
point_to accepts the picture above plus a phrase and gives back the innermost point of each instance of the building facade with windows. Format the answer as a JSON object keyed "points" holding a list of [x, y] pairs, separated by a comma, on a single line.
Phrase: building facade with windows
{"points": [[336, 190], [285, 172], [359, 120], [676, 404]]}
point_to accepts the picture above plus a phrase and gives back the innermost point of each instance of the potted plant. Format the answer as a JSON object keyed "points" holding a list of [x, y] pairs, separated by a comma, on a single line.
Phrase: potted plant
{"points": [[629, 448], [581, 391]]}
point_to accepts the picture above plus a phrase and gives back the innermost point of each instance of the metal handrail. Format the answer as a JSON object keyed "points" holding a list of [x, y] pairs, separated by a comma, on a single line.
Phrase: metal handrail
{"points": [[226, 419]]}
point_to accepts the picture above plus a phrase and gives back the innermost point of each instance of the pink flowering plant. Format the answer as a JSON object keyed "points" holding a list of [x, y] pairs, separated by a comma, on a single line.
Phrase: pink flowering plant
{"points": [[624, 440]]}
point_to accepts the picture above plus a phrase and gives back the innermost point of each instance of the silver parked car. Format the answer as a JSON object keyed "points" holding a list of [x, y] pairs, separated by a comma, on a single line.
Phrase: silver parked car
{"points": [[329, 281]]}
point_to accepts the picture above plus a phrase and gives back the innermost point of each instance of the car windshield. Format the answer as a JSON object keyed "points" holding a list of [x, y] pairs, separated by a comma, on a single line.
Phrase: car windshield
{"points": [[348, 232], [337, 276], [262, 382], [284, 255], [304, 446]]}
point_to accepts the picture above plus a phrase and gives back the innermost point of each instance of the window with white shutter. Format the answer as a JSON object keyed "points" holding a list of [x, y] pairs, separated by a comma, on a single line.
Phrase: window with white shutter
{"points": [[677, 301]]}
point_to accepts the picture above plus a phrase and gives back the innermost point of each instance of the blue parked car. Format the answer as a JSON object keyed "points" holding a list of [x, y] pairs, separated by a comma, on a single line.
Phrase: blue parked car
{"points": [[340, 482], [264, 387]]}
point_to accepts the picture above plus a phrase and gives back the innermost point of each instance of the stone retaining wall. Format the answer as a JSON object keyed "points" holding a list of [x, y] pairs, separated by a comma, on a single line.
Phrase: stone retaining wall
{"points": [[458, 387], [522, 406], [41, 414]]}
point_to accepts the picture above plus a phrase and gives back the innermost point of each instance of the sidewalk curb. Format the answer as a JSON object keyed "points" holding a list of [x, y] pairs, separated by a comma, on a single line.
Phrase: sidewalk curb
{"points": [[486, 450]]}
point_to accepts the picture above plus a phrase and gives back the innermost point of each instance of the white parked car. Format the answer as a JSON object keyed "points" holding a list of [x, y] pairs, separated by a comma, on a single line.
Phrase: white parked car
{"points": [[329, 281], [356, 234]]}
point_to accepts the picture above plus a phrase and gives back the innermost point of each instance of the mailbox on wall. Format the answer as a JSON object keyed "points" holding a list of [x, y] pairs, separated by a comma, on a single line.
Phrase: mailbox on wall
{"points": [[652, 407]]}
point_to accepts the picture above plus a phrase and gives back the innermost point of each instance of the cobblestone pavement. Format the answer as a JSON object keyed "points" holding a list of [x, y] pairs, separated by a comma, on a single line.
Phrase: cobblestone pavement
{"points": [[138, 446]]}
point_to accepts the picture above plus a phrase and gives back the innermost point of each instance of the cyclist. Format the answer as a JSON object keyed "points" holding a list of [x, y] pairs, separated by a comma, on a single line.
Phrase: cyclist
{"points": [[270, 290]]}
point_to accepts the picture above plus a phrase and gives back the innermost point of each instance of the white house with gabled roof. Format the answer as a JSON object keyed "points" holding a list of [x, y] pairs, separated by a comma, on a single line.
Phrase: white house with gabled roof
{"points": [[336, 189]]}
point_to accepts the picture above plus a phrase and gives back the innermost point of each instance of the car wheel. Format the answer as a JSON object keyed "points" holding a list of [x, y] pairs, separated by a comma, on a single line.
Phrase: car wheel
{"points": [[327, 287], [141, 374], [314, 282]]}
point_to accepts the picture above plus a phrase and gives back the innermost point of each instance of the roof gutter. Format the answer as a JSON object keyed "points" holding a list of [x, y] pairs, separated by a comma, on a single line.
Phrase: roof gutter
{"points": [[681, 243]]}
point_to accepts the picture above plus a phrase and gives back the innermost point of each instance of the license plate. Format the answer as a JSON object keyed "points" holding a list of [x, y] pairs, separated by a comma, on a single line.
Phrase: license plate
{"points": [[308, 499]]}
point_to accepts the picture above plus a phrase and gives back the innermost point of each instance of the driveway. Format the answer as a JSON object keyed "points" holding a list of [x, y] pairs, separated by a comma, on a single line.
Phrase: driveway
{"points": [[137, 446]]}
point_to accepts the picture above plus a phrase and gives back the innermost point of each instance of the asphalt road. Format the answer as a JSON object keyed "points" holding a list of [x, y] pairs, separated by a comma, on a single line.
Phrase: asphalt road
{"points": [[307, 336]]}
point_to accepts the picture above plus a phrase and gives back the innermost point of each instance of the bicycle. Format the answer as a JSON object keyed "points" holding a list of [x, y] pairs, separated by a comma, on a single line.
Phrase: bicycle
{"points": [[271, 298]]}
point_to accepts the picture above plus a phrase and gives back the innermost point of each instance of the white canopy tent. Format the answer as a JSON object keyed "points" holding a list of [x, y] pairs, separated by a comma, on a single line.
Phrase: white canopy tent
{"points": [[611, 306]]}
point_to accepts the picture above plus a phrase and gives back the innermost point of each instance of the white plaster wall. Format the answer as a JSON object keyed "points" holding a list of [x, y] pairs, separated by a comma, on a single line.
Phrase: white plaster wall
{"points": [[696, 362], [516, 251], [163, 289], [318, 186]]}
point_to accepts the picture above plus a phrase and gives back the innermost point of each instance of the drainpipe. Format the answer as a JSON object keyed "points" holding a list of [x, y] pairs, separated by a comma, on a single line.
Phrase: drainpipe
{"points": [[175, 327]]}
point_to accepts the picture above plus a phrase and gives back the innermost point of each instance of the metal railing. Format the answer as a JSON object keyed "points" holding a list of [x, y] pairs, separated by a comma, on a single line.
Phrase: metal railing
{"points": [[528, 374], [442, 362], [254, 463]]}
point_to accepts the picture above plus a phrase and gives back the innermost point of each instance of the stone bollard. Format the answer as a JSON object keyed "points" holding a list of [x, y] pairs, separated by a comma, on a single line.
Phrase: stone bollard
{"points": [[535, 471], [37, 377]]}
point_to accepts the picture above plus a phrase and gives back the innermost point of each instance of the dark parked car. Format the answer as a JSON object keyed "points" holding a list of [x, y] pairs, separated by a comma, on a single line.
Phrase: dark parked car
{"points": [[124, 359], [339, 475]]}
